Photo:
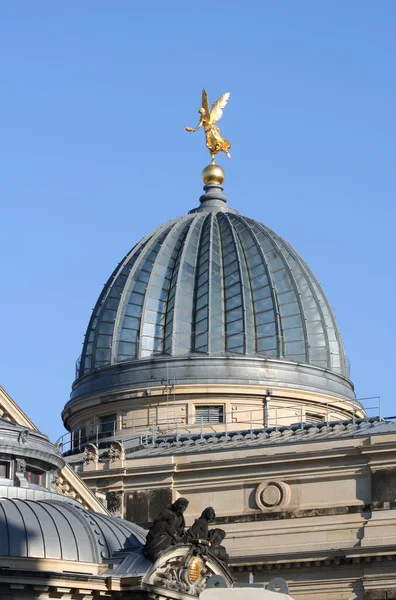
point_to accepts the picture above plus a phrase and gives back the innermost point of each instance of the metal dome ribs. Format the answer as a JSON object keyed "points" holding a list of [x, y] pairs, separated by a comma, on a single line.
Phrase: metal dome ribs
{"points": [[213, 283]]}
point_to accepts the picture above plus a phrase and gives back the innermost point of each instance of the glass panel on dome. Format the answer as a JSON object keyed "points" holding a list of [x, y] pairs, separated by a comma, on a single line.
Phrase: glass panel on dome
{"points": [[234, 314], [291, 322], [264, 304], [269, 329], [104, 340], [132, 310], [266, 343], [155, 305], [201, 326], [154, 317], [276, 264], [127, 348], [293, 335], [128, 335], [136, 299], [314, 327], [233, 302], [144, 276], [318, 353], [264, 292], [288, 310], [201, 342], [257, 271], [294, 348], [284, 285], [131, 323], [286, 297], [235, 343], [265, 317], [231, 279], [312, 314], [150, 329], [255, 261], [259, 281], [140, 287], [202, 301], [107, 328], [232, 290], [235, 326], [331, 334], [108, 315], [317, 339], [112, 303]]}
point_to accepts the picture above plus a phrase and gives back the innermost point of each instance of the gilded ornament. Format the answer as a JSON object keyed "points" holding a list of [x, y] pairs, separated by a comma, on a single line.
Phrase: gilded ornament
{"points": [[213, 175], [215, 143], [195, 569]]}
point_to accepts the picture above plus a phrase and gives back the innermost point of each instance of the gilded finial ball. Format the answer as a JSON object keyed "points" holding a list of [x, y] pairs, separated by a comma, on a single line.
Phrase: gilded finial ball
{"points": [[213, 175]]}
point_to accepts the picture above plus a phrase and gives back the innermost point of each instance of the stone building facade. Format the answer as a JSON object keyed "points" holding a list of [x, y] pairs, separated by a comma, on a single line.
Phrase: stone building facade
{"points": [[213, 367], [53, 546]]}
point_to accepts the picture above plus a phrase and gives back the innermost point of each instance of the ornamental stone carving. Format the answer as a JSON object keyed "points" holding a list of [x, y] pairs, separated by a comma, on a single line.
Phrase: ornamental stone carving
{"points": [[65, 489], [183, 570], [179, 575], [20, 468], [20, 465], [23, 436], [91, 454], [4, 414], [272, 495], [116, 451], [114, 502]]}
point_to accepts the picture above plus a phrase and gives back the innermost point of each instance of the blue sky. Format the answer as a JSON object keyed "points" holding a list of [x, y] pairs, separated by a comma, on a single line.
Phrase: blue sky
{"points": [[94, 98]]}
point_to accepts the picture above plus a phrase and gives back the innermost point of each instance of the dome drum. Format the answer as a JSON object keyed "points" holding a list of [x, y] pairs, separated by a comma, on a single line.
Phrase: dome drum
{"points": [[167, 392]]}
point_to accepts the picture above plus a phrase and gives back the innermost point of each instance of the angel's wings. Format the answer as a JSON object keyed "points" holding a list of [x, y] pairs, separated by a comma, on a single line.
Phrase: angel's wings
{"points": [[218, 107], [205, 103]]}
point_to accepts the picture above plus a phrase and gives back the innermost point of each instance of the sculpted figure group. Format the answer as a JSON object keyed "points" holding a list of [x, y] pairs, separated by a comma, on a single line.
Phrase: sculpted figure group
{"points": [[169, 529]]}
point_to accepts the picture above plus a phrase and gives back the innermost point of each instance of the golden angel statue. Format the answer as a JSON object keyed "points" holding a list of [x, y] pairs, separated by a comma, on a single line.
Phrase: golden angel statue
{"points": [[214, 142]]}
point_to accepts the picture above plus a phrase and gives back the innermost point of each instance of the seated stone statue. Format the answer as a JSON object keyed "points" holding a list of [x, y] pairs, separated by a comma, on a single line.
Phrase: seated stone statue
{"points": [[215, 538], [200, 529], [167, 529]]}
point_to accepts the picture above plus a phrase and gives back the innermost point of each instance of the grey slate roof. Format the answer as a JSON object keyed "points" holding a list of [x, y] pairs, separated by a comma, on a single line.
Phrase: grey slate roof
{"points": [[62, 530]]}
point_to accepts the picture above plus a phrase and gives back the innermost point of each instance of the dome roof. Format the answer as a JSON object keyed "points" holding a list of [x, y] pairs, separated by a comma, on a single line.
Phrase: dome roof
{"points": [[212, 283], [62, 530]]}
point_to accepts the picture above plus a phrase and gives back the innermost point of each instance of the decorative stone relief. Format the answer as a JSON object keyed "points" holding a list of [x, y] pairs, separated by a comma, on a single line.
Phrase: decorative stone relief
{"points": [[272, 495], [65, 489], [20, 465], [185, 574], [186, 569], [114, 502], [23, 436], [116, 451], [4, 414], [20, 468], [91, 454]]}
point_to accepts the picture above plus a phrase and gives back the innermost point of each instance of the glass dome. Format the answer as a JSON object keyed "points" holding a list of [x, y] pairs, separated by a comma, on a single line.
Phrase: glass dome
{"points": [[212, 283]]}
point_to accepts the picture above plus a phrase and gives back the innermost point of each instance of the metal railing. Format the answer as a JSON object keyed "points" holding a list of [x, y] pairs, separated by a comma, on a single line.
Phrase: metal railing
{"points": [[145, 430], [79, 438]]}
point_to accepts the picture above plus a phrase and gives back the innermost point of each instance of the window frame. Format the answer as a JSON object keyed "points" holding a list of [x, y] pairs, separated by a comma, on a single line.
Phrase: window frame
{"points": [[209, 407]]}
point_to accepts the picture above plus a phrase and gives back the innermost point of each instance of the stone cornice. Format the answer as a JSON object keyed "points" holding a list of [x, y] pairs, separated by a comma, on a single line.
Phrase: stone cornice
{"points": [[316, 559]]}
